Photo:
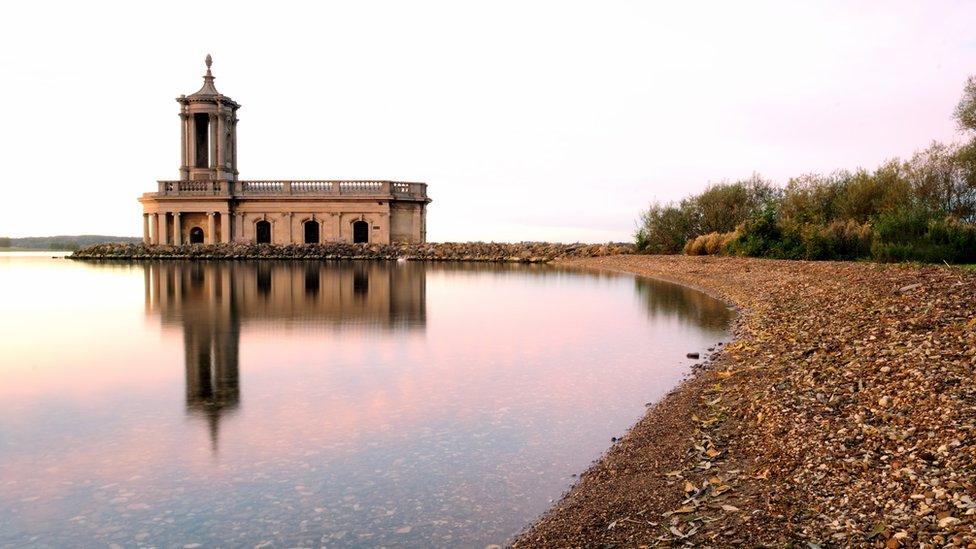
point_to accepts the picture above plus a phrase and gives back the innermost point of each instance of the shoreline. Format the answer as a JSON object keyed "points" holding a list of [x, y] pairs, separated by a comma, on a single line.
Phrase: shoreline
{"points": [[841, 413]]}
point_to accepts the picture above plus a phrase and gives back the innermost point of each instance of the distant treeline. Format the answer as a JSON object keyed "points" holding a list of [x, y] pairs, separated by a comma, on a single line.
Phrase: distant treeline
{"points": [[63, 242], [921, 209]]}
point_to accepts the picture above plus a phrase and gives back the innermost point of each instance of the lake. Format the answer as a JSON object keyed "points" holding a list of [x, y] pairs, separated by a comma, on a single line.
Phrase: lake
{"points": [[284, 404]]}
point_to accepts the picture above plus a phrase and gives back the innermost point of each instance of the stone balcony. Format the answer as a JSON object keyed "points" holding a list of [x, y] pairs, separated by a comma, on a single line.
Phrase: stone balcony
{"points": [[380, 190]]}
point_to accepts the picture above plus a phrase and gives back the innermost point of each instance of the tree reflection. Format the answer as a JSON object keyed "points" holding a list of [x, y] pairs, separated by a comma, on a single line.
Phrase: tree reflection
{"points": [[689, 305]]}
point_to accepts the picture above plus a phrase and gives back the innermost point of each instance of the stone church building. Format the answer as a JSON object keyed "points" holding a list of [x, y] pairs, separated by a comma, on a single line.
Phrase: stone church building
{"points": [[209, 204]]}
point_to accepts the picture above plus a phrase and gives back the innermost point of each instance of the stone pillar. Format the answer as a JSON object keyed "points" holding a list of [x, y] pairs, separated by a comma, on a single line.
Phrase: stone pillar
{"points": [[225, 228], [239, 227], [185, 142], [213, 142], [146, 239], [211, 228], [233, 144], [221, 153], [177, 229], [153, 229], [161, 227]]}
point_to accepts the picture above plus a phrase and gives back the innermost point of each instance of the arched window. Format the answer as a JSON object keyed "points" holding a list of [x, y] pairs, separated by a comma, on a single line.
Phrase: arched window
{"points": [[311, 232], [263, 230], [196, 235], [360, 232]]}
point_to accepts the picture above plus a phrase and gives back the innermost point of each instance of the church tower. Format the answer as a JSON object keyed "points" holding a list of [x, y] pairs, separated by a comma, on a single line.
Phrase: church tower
{"points": [[210, 204], [209, 133]]}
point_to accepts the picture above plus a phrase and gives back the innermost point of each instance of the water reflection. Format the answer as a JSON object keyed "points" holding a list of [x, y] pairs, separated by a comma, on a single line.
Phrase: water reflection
{"points": [[313, 293], [691, 306], [353, 404], [210, 301]]}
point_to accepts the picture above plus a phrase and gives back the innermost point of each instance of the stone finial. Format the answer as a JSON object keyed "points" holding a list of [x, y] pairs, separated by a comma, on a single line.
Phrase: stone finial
{"points": [[209, 61]]}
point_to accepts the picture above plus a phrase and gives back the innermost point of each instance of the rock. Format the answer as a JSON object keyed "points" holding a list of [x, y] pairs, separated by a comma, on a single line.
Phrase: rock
{"points": [[693, 355], [524, 252]]}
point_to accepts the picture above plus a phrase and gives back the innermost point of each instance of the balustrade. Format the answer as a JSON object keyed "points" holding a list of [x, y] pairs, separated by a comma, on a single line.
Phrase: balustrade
{"points": [[386, 189]]}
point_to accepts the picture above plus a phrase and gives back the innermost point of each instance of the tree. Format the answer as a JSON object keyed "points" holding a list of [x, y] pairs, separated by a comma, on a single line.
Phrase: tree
{"points": [[4, 241], [943, 179], [966, 109], [664, 229]]}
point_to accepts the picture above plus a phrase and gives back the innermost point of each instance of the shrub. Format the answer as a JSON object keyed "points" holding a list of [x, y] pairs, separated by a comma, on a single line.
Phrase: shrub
{"points": [[923, 210], [759, 235], [710, 244], [921, 235], [665, 229]]}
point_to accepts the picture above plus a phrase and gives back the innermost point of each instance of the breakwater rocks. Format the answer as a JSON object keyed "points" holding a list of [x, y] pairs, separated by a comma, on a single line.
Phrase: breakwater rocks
{"points": [[525, 252]]}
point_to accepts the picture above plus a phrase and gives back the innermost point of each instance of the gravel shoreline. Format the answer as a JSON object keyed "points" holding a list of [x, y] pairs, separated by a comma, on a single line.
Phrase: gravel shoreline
{"points": [[843, 414]]}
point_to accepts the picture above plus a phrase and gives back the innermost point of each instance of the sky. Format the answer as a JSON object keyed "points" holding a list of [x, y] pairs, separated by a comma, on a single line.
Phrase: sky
{"points": [[529, 120]]}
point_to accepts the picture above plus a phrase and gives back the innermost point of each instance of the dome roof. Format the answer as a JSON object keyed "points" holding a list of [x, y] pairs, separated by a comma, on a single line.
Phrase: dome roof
{"points": [[208, 92]]}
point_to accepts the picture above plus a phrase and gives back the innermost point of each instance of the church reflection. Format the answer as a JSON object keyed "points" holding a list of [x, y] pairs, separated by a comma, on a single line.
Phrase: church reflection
{"points": [[212, 301]]}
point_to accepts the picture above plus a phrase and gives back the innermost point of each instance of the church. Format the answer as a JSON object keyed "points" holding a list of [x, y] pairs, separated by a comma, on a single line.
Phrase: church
{"points": [[209, 204]]}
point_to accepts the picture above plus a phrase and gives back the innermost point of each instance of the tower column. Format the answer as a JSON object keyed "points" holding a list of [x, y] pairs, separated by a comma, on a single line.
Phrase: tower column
{"points": [[185, 146], [211, 228], [225, 227], [177, 229], [146, 239], [213, 143], [221, 153]]}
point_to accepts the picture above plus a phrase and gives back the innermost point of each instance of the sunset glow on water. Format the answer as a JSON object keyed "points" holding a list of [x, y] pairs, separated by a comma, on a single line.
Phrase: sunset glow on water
{"points": [[311, 403]]}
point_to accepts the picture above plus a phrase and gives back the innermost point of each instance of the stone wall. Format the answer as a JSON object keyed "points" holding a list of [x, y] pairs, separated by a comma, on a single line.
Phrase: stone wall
{"points": [[526, 252]]}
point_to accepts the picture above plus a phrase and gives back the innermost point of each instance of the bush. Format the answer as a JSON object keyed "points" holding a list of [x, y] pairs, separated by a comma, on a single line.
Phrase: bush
{"points": [[665, 229], [710, 244], [918, 235], [759, 236], [921, 210]]}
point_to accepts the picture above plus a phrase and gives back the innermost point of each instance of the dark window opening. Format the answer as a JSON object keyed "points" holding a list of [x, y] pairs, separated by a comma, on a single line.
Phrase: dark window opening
{"points": [[264, 281], [196, 235], [312, 232], [264, 232], [360, 232], [201, 125]]}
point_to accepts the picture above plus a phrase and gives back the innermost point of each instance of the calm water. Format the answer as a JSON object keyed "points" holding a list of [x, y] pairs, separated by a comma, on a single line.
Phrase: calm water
{"points": [[319, 403]]}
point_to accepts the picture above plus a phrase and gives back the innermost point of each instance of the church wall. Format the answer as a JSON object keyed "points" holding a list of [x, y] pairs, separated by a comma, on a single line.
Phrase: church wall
{"points": [[335, 219], [407, 222]]}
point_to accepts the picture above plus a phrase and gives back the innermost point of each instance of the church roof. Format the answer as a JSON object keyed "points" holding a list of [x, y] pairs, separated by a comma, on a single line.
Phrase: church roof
{"points": [[208, 92]]}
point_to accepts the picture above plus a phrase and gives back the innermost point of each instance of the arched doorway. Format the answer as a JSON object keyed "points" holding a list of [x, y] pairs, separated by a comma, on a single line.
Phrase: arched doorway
{"points": [[360, 232], [263, 230], [311, 232], [196, 235]]}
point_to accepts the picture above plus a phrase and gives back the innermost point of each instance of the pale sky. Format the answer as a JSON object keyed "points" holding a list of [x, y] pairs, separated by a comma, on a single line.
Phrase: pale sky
{"points": [[529, 120]]}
